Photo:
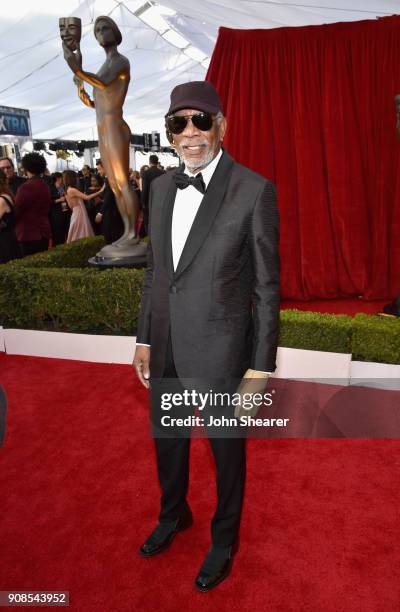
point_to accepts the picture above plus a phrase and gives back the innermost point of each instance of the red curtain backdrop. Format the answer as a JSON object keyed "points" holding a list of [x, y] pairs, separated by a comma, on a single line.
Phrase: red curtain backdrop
{"points": [[312, 108]]}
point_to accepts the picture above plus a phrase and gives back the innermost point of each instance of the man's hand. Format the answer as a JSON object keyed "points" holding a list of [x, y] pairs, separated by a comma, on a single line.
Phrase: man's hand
{"points": [[98, 218], [252, 382], [141, 363]]}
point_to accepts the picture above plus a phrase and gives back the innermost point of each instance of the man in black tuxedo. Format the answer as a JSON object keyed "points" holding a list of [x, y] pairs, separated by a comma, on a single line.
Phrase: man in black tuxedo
{"points": [[148, 177], [210, 308]]}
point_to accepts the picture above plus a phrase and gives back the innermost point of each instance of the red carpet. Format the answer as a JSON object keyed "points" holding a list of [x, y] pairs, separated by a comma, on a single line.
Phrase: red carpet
{"points": [[350, 306], [78, 495]]}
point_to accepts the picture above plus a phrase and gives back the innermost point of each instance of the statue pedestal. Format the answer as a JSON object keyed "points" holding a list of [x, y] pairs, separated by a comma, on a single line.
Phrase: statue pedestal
{"points": [[122, 255]]}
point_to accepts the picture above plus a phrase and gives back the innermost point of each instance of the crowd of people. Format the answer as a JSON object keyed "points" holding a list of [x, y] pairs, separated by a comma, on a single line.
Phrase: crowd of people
{"points": [[39, 210]]}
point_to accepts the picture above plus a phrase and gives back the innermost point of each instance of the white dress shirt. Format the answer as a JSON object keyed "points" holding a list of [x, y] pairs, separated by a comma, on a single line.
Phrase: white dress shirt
{"points": [[187, 203]]}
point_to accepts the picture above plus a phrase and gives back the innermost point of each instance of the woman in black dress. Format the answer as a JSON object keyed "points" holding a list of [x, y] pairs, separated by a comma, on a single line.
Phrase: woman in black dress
{"points": [[9, 248], [135, 180], [60, 213], [93, 206]]}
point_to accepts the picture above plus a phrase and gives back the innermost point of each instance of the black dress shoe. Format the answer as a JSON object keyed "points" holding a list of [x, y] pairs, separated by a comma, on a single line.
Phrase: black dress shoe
{"points": [[163, 535], [216, 567]]}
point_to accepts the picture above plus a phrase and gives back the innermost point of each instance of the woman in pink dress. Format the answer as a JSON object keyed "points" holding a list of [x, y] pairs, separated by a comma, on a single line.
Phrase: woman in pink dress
{"points": [[80, 226]]}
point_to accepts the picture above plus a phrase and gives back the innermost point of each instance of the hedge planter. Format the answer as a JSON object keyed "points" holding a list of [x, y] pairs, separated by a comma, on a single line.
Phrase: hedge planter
{"points": [[58, 291]]}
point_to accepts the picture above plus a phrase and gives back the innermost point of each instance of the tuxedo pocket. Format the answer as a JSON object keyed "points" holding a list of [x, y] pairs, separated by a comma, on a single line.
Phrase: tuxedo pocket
{"points": [[228, 316], [228, 229], [220, 327], [228, 301], [234, 326]]}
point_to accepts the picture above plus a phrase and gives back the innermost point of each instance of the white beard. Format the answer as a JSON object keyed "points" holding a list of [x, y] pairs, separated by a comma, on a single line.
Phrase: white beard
{"points": [[200, 164]]}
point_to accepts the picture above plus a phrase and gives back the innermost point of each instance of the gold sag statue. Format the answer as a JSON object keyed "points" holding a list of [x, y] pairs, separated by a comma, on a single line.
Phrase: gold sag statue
{"points": [[110, 86]]}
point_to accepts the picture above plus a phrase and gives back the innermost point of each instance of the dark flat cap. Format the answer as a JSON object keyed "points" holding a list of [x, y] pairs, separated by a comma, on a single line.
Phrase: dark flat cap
{"points": [[200, 95]]}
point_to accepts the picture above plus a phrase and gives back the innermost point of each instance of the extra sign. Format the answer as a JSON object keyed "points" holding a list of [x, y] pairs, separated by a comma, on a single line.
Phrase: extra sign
{"points": [[14, 122]]}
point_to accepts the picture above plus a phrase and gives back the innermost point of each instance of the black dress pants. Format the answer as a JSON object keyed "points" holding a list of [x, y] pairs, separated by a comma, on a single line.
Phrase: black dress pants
{"points": [[173, 472]]}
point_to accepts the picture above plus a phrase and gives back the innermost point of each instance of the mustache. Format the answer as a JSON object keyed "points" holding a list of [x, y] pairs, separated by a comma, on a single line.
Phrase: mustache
{"points": [[190, 143]]}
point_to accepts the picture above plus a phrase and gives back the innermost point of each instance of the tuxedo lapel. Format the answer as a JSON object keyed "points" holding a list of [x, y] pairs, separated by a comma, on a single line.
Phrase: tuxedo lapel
{"points": [[166, 223], [206, 214]]}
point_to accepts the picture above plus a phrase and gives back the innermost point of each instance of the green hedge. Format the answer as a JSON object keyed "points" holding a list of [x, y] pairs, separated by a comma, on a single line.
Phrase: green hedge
{"points": [[376, 339], [74, 255], [315, 331], [71, 300], [58, 291]]}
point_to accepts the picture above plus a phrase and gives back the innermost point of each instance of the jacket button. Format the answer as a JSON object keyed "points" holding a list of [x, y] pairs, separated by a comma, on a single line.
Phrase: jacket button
{"points": [[174, 289]]}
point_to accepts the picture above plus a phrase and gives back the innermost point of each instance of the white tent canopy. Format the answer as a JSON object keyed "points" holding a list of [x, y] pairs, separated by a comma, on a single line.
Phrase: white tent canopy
{"points": [[35, 76]]}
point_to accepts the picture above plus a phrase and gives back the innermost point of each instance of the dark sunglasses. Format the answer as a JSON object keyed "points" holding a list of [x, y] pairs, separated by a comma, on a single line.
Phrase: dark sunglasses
{"points": [[177, 123]]}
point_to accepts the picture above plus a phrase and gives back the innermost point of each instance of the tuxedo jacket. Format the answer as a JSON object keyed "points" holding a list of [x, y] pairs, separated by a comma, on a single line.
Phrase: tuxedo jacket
{"points": [[221, 304]]}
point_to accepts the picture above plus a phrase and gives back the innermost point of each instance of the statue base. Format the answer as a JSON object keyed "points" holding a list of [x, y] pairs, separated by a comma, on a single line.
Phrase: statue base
{"points": [[122, 255]]}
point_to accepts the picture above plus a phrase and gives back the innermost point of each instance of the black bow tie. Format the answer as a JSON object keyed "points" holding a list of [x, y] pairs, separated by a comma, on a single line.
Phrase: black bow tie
{"points": [[182, 181]]}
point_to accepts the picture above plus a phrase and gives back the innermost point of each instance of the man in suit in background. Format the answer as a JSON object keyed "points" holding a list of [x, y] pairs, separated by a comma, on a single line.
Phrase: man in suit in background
{"points": [[112, 226], [392, 309], [148, 177], [209, 310], [84, 181], [14, 181]]}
